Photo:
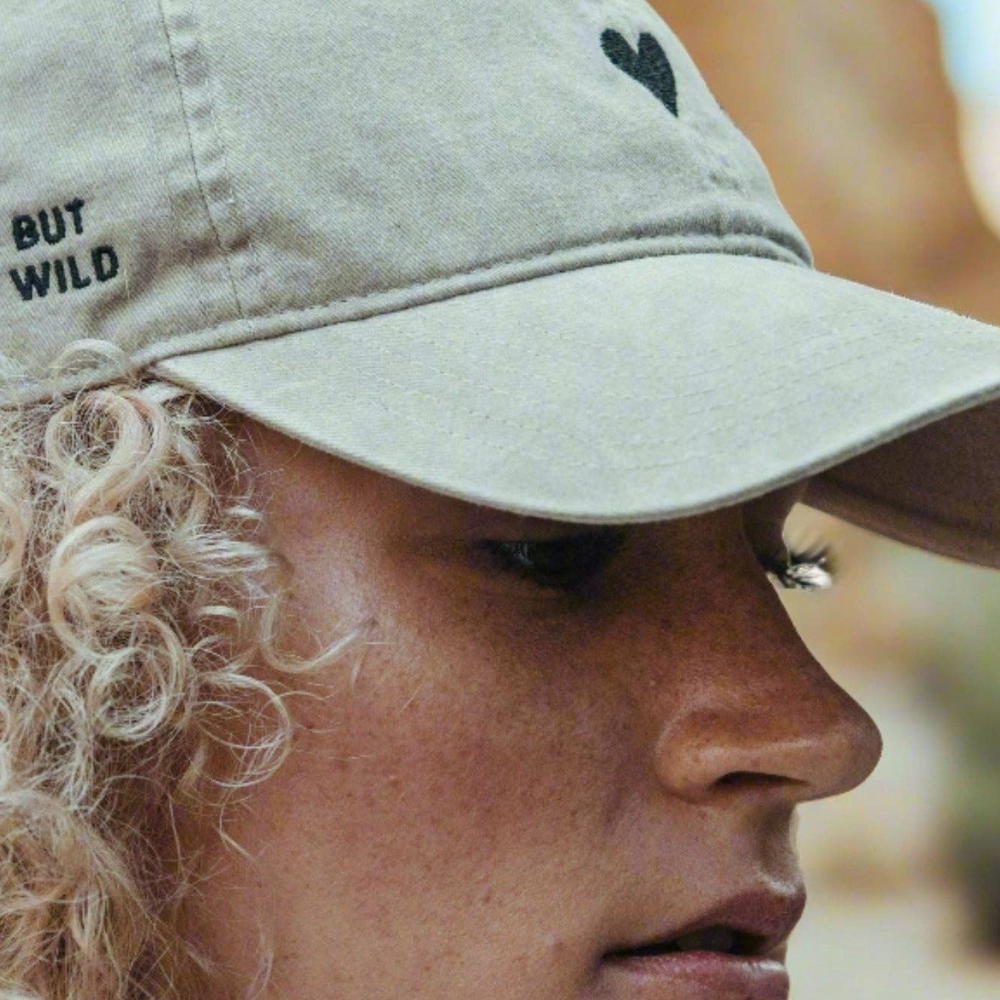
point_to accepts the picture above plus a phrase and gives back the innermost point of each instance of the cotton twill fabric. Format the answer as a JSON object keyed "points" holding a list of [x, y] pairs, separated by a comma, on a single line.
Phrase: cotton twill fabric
{"points": [[632, 391]]}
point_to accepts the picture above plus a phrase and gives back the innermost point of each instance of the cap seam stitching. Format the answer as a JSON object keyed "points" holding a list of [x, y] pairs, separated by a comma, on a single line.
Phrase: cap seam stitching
{"points": [[519, 448], [783, 256], [182, 90], [256, 269], [167, 193], [788, 363], [164, 348], [755, 421]]}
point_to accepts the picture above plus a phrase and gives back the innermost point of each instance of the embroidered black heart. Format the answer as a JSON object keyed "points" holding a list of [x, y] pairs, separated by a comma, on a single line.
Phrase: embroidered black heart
{"points": [[650, 65]]}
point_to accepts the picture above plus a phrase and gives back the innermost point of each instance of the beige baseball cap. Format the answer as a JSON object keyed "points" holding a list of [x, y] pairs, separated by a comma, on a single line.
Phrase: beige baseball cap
{"points": [[513, 252]]}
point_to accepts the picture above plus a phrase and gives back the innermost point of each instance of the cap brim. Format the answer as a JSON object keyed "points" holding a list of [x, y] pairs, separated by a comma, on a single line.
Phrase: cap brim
{"points": [[648, 389]]}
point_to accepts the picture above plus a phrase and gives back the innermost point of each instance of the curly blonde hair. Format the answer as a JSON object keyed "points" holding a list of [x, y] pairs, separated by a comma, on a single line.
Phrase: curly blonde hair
{"points": [[134, 602]]}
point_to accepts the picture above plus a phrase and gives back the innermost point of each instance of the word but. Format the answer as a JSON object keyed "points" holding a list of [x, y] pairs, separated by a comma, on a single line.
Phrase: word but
{"points": [[53, 227]]}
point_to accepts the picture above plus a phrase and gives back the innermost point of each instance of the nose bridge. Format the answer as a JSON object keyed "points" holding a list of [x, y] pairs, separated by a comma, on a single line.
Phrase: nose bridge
{"points": [[757, 712]]}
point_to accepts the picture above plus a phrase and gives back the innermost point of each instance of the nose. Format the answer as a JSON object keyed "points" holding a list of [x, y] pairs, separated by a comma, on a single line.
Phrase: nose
{"points": [[772, 724]]}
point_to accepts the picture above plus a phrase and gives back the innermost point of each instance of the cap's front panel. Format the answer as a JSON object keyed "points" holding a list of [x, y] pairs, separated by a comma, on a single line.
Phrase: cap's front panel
{"points": [[384, 148]]}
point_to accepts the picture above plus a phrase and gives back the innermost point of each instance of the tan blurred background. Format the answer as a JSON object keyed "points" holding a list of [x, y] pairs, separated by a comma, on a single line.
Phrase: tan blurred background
{"points": [[880, 123]]}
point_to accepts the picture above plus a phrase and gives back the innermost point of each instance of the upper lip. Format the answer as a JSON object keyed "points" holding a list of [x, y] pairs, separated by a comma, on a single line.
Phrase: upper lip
{"points": [[765, 917]]}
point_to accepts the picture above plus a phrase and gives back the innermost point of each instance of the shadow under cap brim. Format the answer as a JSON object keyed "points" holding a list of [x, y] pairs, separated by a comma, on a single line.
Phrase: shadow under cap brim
{"points": [[937, 488], [649, 389]]}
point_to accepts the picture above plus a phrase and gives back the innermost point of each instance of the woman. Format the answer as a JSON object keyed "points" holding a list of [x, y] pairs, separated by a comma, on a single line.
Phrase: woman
{"points": [[400, 417]]}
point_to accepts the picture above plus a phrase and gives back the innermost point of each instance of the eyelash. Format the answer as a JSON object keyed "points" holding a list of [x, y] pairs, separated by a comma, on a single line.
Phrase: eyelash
{"points": [[595, 547], [812, 568]]}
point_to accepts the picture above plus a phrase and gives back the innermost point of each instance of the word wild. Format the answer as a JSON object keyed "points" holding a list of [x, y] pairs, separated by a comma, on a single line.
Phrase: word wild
{"points": [[53, 226]]}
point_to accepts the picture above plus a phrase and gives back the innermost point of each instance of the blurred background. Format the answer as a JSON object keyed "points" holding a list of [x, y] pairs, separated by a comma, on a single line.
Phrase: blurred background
{"points": [[880, 123]]}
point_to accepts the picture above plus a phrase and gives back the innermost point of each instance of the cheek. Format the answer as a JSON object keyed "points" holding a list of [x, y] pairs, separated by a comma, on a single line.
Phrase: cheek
{"points": [[461, 761]]}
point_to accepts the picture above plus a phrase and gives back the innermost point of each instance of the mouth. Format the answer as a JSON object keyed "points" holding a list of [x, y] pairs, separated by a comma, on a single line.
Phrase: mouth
{"points": [[755, 923], [736, 948], [716, 938]]}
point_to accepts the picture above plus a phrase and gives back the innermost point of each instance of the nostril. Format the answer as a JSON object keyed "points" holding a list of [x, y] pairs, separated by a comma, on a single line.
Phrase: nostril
{"points": [[711, 752]]}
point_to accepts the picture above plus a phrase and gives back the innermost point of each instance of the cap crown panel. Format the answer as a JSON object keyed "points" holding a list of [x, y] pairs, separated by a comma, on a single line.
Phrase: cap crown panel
{"points": [[194, 173]]}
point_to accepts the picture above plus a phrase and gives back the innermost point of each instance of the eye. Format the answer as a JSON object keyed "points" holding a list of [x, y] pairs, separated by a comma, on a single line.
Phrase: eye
{"points": [[560, 563], [567, 563]]}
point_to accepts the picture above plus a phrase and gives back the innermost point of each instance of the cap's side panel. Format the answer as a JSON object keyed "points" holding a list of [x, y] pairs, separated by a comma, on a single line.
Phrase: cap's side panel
{"points": [[104, 231]]}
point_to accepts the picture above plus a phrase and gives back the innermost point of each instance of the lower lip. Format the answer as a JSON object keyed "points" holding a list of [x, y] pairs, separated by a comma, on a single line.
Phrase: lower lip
{"points": [[700, 975]]}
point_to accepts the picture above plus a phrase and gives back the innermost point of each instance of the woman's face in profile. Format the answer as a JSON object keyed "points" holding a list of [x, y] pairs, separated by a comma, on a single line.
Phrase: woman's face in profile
{"points": [[548, 753]]}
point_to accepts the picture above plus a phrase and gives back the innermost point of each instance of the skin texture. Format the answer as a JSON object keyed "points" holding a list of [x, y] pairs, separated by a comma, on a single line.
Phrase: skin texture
{"points": [[519, 780]]}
